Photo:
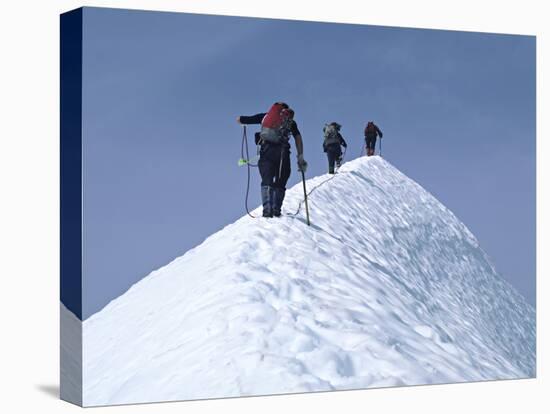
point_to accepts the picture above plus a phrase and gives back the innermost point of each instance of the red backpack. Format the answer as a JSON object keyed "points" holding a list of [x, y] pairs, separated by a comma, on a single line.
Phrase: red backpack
{"points": [[276, 123]]}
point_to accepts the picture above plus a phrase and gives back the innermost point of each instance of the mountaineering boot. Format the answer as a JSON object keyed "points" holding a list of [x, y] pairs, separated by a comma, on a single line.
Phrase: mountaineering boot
{"points": [[338, 162], [266, 201], [277, 201], [272, 201]]}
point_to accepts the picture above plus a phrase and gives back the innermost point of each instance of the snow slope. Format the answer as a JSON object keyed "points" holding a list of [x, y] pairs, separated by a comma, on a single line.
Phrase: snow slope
{"points": [[387, 287]]}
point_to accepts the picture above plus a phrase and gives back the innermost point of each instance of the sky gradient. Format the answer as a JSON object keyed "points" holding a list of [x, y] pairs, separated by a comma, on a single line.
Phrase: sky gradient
{"points": [[161, 92]]}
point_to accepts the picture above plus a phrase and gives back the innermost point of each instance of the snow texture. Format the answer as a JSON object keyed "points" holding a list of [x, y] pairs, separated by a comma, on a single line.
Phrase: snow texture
{"points": [[385, 288]]}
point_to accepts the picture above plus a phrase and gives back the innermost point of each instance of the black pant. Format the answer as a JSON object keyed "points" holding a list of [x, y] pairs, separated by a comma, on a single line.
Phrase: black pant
{"points": [[371, 142], [274, 165], [334, 152]]}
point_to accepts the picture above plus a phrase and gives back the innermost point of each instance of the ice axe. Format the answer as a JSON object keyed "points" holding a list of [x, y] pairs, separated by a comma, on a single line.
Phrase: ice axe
{"points": [[305, 197]]}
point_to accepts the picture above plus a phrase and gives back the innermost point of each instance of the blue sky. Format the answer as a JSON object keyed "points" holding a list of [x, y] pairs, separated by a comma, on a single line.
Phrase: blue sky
{"points": [[160, 143]]}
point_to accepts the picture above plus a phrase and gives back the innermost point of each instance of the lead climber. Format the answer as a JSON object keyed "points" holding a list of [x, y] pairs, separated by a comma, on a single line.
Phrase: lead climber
{"points": [[371, 133]]}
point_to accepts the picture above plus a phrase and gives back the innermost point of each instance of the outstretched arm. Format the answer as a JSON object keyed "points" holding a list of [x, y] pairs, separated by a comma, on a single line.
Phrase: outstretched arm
{"points": [[379, 132], [254, 119]]}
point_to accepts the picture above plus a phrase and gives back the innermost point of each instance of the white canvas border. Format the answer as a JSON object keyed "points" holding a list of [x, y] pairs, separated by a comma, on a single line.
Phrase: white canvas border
{"points": [[29, 223]]}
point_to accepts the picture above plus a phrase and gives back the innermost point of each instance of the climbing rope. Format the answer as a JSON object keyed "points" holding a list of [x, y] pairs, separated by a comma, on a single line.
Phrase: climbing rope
{"points": [[245, 155], [317, 186], [308, 194]]}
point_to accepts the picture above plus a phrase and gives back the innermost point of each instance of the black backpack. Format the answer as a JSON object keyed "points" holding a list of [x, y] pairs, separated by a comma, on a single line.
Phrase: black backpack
{"points": [[330, 132]]}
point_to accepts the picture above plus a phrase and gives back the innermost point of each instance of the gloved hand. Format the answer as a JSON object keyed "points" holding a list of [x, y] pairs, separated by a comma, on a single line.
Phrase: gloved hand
{"points": [[302, 164]]}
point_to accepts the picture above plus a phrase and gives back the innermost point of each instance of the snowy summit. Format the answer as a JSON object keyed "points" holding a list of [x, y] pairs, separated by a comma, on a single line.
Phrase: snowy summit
{"points": [[386, 287]]}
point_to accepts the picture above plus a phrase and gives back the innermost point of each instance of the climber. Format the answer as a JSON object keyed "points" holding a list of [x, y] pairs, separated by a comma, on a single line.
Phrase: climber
{"points": [[371, 132], [332, 143], [274, 163]]}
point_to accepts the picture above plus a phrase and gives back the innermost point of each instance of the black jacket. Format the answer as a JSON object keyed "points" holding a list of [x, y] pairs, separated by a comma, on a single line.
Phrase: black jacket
{"points": [[376, 133]]}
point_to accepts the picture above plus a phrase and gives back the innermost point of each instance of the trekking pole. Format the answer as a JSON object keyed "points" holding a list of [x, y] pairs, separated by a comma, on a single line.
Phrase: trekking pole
{"points": [[380, 146], [305, 197]]}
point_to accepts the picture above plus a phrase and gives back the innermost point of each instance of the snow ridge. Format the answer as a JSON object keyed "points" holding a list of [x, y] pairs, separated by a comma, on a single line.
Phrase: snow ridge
{"points": [[387, 287]]}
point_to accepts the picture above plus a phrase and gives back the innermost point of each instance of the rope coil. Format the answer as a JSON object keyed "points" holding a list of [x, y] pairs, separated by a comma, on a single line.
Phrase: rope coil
{"points": [[244, 151]]}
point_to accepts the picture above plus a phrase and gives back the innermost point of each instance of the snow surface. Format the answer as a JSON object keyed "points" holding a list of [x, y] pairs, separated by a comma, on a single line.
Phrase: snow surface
{"points": [[387, 287]]}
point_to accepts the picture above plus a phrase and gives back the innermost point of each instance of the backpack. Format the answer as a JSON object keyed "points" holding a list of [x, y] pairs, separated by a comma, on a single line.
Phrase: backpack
{"points": [[331, 134], [370, 130], [276, 124]]}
